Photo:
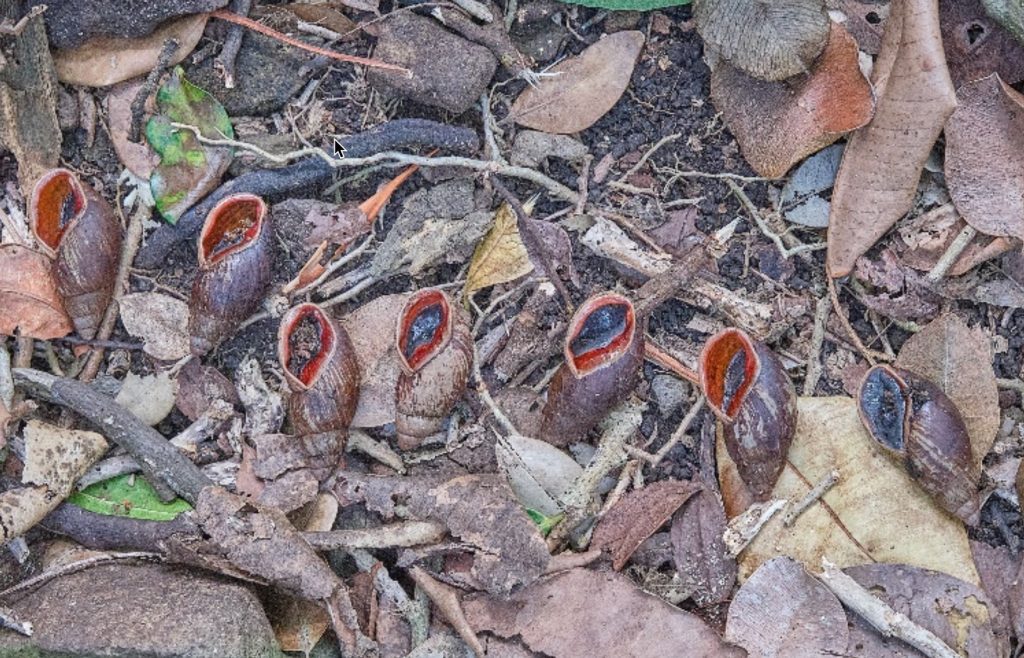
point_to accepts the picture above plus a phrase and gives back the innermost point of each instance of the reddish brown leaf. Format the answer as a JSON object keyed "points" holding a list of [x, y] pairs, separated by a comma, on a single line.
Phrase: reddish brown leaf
{"points": [[638, 515], [28, 295], [882, 162], [702, 560], [199, 386], [976, 45], [777, 124]]}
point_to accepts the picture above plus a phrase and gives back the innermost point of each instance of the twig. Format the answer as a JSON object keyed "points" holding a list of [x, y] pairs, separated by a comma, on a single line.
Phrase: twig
{"points": [[880, 615], [834, 295], [668, 139], [583, 186], [677, 435], [744, 528], [655, 354], [489, 124], [10, 620], [105, 344], [138, 108], [225, 61], [952, 253], [79, 565], [678, 173], [816, 492], [447, 601], [364, 443], [565, 561], [787, 252], [107, 468], [387, 587], [404, 534], [812, 373]]}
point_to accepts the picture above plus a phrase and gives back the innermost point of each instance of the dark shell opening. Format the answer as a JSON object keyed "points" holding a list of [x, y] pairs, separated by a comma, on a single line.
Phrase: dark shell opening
{"points": [[883, 407], [309, 341], [58, 200], [232, 224], [729, 367], [423, 329], [602, 335]]}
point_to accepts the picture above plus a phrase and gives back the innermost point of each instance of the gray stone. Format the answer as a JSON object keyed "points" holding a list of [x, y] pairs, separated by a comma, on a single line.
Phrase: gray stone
{"points": [[149, 611], [540, 41], [447, 71], [668, 392]]}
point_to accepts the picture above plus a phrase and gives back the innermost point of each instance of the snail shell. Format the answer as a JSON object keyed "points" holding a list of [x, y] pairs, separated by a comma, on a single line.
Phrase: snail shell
{"points": [[79, 229], [234, 269], [603, 350], [749, 391], [435, 350]]}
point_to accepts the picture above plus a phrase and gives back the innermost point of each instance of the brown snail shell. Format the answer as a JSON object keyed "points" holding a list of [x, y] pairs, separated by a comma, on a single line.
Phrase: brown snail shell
{"points": [[79, 229], [748, 389], [435, 350], [916, 423], [603, 349], [234, 269], [320, 367]]}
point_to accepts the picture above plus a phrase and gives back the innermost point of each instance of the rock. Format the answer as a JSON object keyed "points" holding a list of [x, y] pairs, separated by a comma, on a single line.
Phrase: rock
{"points": [[447, 71], [540, 41], [668, 392], [532, 148], [265, 79], [118, 611]]}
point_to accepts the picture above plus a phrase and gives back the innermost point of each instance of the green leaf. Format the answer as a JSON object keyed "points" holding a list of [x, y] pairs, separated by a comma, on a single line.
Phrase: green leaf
{"points": [[127, 495], [544, 523], [629, 5]]}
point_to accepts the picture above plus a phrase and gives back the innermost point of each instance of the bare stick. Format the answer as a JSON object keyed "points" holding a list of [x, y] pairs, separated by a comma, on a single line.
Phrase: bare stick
{"points": [[225, 61], [816, 492], [787, 252], [79, 565], [953, 252], [364, 443], [407, 533], [851, 334], [655, 354], [677, 435], [812, 373], [10, 620], [745, 527], [668, 139], [447, 601]]}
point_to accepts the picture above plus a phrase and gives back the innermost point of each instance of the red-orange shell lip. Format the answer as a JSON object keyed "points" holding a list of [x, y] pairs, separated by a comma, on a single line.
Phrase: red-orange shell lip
{"points": [[232, 212], [328, 344], [714, 362], [423, 354], [586, 363], [49, 191]]}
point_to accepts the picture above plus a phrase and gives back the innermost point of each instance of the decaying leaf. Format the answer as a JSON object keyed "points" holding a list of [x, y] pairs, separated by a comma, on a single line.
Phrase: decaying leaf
{"points": [[638, 515], [160, 321], [500, 257], [595, 614], [778, 124], [136, 156], [199, 386], [28, 295], [782, 611], [882, 163], [927, 237], [876, 512], [958, 360], [538, 472], [976, 45], [584, 88], [378, 361], [895, 291], [768, 40], [998, 567], [702, 560], [149, 397], [985, 157], [1010, 15]]}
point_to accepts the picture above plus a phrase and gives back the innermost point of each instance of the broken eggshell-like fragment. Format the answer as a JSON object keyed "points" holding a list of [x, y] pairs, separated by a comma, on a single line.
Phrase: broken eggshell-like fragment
{"points": [[234, 270], [913, 421], [79, 229], [604, 347], [435, 351], [320, 367], [748, 389]]}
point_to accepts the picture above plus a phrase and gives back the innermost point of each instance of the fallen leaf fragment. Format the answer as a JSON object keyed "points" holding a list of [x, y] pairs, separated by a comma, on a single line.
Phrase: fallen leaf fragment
{"points": [[958, 359], [582, 89], [160, 321], [595, 614], [927, 237], [782, 611], [882, 163], [28, 295], [876, 512], [538, 472], [149, 397], [778, 124], [501, 256], [377, 358], [1010, 15], [985, 157], [701, 557], [136, 156], [976, 45], [768, 40]]}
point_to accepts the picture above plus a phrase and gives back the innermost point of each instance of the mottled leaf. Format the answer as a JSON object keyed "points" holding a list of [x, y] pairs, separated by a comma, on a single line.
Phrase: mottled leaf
{"points": [[128, 495], [500, 257], [1009, 13], [976, 45]]}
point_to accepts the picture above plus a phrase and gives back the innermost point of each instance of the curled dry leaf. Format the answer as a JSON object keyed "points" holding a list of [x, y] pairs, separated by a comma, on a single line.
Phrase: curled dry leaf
{"points": [[976, 45], [985, 157], [768, 40], [778, 124], [160, 321], [28, 294], [638, 515], [199, 386], [583, 88], [782, 611], [882, 162], [876, 512], [702, 560], [378, 361], [958, 360], [596, 614], [500, 257]]}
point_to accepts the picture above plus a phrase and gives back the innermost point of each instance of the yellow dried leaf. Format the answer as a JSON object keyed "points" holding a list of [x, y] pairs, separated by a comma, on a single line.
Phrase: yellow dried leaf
{"points": [[500, 257]]}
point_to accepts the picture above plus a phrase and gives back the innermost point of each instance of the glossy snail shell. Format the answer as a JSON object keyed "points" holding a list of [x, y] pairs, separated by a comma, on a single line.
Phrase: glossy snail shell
{"points": [[435, 351], [604, 347], [79, 229], [749, 391], [234, 269], [321, 371]]}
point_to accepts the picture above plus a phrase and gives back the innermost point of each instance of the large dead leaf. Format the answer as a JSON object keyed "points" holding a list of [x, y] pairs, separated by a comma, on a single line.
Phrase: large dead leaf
{"points": [[28, 295], [598, 615], [705, 566], [160, 321], [985, 157], [976, 45], [371, 330], [638, 515], [584, 89], [882, 162], [958, 360], [782, 611], [501, 256], [875, 513], [778, 124]]}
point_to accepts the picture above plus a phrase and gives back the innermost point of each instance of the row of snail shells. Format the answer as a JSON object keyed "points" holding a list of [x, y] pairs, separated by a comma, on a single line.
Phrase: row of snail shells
{"points": [[78, 229]]}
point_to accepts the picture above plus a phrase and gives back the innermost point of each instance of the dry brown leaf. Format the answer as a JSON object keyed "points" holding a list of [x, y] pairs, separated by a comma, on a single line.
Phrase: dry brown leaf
{"points": [[501, 256], [882, 162], [702, 560], [371, 330], [976, 45], [782, 611], [199, 386], [875, 513], [778, 124], [638, 515], [985, 157], [958, 360], [160, 321], [584, 88], [928, 236], [998, 567], [136, 156], [104, 61], [28, 295], [768, 40], [595, 614]]}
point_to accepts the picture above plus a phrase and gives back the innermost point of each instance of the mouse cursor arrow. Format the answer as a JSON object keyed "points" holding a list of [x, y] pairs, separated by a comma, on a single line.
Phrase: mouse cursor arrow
{"points": [[339, 149]]}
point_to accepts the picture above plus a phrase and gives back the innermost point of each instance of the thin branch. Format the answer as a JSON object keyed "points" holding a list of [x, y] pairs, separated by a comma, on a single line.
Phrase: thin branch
{"points": [[787, 252], [952, 254], [79, 565], [812, 496], [404, 534], [225, 61]]}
